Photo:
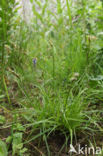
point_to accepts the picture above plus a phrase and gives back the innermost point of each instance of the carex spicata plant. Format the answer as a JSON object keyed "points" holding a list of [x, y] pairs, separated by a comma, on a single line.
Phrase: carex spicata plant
{"points": [[52, 85]]}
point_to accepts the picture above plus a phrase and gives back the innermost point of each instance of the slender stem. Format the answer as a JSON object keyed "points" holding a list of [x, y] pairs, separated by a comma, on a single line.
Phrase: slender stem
{"points": [[6, 90]]}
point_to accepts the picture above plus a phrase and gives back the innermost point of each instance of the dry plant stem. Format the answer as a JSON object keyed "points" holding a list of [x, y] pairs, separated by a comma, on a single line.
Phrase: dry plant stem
{"points": [[40, 152]]}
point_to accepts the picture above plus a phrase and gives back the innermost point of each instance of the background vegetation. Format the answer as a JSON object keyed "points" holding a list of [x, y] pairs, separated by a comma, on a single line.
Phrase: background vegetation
{"points": [[51, 77]]}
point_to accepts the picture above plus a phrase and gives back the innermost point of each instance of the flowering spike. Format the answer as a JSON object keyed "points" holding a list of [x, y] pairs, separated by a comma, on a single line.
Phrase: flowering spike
{"points": [[34, 61]]}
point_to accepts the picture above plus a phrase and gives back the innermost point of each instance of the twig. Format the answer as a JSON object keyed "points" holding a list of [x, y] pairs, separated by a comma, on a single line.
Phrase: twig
{"points": [[41, 153]]}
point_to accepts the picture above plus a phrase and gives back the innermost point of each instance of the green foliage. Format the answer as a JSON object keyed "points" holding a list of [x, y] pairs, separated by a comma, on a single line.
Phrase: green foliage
{"points": [[7, 12], [17, 144], [63, 90], [2, 119], [3, 149], [6, 15]]}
